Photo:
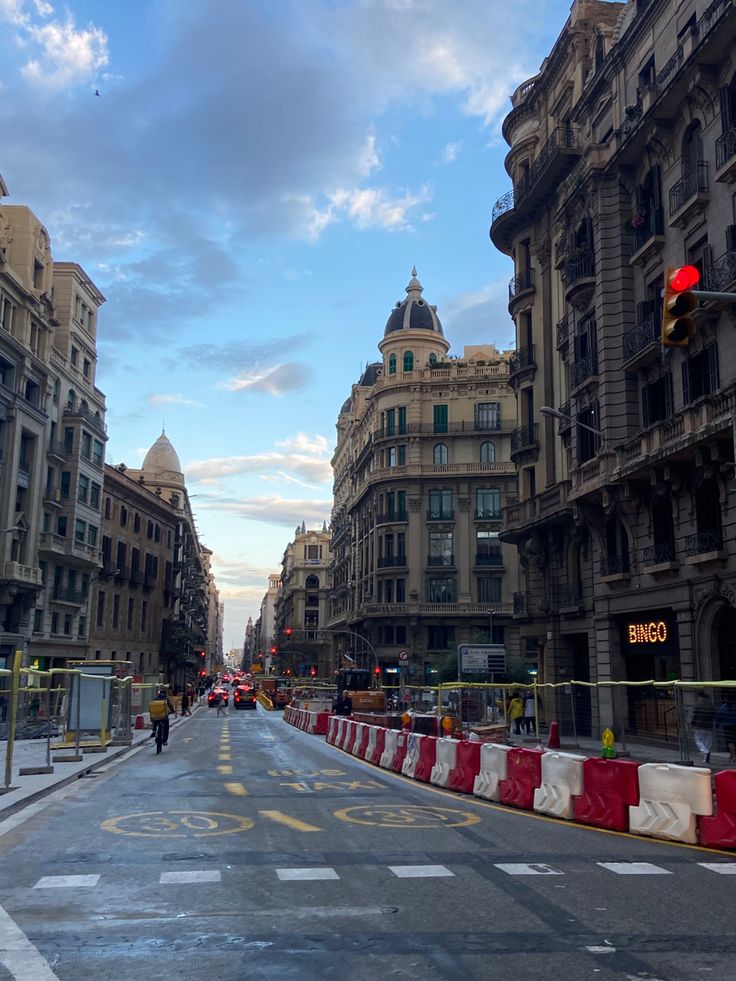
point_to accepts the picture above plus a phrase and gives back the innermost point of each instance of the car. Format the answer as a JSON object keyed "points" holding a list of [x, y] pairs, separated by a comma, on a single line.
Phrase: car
{"points": [[217, 696], [244, 697]]}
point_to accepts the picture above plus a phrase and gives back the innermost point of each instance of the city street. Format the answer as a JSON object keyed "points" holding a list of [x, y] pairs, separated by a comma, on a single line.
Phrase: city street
{"points": [[252, 849]]}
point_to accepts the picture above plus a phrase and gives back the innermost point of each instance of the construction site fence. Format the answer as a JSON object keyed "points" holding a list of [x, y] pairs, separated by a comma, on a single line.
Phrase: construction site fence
{"points": [[684, 716], [69, 709]]}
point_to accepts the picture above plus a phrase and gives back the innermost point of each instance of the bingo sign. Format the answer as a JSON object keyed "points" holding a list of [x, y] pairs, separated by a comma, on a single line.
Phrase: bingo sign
{"points": [[482, 658], [650, 633]]}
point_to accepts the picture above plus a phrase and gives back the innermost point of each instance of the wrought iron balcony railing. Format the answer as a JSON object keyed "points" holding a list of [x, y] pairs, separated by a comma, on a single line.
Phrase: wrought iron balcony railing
{"points": [[442, 560], [703, 542], [581, 266], [523, 280], [722, 273], [390, 516], [568, 596], [488, 514], [641, 336], [670, 70], [652, 224], [613, 565], [521, 604], [524, 357], [583, 368], [489, 559], [505, 203], [566, 137], [658, 554], [441, 515], [725, 147], [694, 181], [562, 328], [524, 436]]}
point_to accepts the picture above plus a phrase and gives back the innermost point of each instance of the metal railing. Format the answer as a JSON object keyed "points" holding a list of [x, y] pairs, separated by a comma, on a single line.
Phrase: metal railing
{"points": [[669, 71], [565, 137], [583, 368], [581, 266], [652, 224], [488, 514], [614, 565], [524, 436], [441, 515], [645, 333], [659, 553], [692, 182], [522, 281], [440, 560], [561, 330], [703, 542], [504, 204], [523, 357], [391, 561], [725, 147], [722, 273]]}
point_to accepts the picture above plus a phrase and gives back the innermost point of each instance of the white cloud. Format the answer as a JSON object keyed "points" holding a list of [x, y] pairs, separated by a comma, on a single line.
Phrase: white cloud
{"points": [[164, 399], [364, 207], [305, 444], [369, 161], [300, 458], [450, 152], [277, 380], [275, 510]]}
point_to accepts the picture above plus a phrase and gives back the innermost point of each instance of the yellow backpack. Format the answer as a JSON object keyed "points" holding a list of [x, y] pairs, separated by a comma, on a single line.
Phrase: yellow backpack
{"points": [[158, 709]]}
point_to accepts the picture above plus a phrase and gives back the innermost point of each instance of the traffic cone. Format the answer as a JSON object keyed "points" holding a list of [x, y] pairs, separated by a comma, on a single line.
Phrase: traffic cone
{"points": [[139, 724], [554, 736]]}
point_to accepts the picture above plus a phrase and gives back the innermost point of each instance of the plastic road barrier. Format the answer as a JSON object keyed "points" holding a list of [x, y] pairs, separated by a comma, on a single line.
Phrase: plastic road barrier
{"points": [[402, 745], [349, 737], [610, 788], [719, 831], [445, 758], [333, 728], [562, 779], [361, 742], [670, 798], [351, 745], [321, 723], [370, 750], [493, 770], [390, 744], [523, 776], [427, 756], [375, 752], [411, 757], [467, 766]]}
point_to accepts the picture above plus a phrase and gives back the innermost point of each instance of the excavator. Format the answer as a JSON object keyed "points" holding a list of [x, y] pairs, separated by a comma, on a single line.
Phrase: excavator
{"points": [[359, 682]]}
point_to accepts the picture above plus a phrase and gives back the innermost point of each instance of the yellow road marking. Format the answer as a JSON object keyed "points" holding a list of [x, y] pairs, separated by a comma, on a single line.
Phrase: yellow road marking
{"points": [[224, 770], [237, 789], [224, 756], [294, 823]]}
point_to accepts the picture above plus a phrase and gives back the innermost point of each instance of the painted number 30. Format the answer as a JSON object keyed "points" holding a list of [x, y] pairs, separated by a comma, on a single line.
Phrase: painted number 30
{"points": [[177, 824]]}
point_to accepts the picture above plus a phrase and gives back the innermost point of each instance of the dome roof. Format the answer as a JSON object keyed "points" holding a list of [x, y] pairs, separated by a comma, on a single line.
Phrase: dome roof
{"points": [[413, 313], [162, 460]]}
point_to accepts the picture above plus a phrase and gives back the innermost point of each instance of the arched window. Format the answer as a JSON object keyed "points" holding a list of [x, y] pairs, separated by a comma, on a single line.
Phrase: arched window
{"points": [[392, 365], [312, 582], [648, 216], [600, 52], [433, 358], [71, 398], [692, 150], [487, 452], [408, 361], [439, 454]]}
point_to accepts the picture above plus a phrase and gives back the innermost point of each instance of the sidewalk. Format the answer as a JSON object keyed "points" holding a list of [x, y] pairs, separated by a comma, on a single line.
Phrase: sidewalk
{"points": [[32, 753]]}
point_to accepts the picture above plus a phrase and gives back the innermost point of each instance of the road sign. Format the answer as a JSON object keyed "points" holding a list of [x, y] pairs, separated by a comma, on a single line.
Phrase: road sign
{"points": [[482, 658], [403, 655]]}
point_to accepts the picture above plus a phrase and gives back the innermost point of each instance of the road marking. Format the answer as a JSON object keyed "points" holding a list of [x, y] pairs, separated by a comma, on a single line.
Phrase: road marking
{"points": [[420, 871], [294, 875], [294, 823], [407, 816], [535, 868], [725, 868], [601, 950], [224, 769], [172, 878], [237, 789], [224, 756], [19, 955], [177, 824], [67, 881], [633, 868]]}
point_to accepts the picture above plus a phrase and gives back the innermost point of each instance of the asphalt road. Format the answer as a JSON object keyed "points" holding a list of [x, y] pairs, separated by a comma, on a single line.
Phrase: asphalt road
{"points": [[250, 849]]}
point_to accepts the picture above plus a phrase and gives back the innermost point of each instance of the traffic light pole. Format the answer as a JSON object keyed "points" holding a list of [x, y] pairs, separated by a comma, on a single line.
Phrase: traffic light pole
{"points": [[710, 295]]}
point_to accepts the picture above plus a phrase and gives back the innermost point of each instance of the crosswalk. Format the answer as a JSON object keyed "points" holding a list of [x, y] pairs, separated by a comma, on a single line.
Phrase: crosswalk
{"points": [[326, 873]]}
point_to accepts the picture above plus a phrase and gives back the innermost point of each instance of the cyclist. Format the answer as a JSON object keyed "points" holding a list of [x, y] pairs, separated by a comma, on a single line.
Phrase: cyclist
{"points": [[160, 709]]}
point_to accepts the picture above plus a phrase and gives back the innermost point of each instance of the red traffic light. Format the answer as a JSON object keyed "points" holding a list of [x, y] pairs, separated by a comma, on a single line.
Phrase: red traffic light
{"points": [[274, 650], [202, 673], [288, 631], [684, 278], [376, 670], [312, 672]]}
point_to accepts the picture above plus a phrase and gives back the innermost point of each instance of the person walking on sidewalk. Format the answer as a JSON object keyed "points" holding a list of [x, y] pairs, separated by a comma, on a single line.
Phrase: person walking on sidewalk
{"points": [[185, 703], [702, 720], [530, 712], [516, 712]]}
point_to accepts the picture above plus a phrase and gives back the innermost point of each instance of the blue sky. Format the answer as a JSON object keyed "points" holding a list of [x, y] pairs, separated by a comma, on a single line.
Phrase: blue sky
{"points": [[250, 192]]}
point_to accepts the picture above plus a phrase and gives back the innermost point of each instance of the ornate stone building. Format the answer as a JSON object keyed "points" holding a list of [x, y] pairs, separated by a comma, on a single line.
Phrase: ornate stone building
{"points": [[623, 162], [422, 472]]}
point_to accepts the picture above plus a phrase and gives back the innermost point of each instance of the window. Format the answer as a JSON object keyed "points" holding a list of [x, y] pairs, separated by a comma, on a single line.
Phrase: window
{"points": [[86, 445], [74, 357], [100, 608], [136, 523], [38, 621], [489, 589], [488, 548], [487, 452], [440, 638], [433, 358], [439, 413], [120, 559], [80, 530], [94, 496], [313, 552], [98, 453], [86, 367], [440, 504], [83, 489], [408, 361], [396, 456], [66, 481], [440, 548], [588, 433], [616, 559], [116, 610], [700, 374], [67, 624], [157, 533], [61, 526], [68, 439], [54, 623], [439, 454], [441, 589], [92, 536], [123, 516], [392, 365], [487, 416], [144, 614], [82, 628], [108, 508], [401, 590], [131, 611], [648, 75], [656, 400], [488, 503]]}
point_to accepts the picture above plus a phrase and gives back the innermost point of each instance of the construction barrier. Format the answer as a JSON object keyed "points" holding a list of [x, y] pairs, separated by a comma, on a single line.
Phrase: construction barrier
{"points": [[427, 756], [333, 729], [321, 723], [562, 779], [390, 744], [411, 756], [670, 799], [351, 735], [375, 752], [523, 776], [361, 743], [446, 755], [610, 788], [402, 745], [719, 830], [467, 766], [493, 770]]}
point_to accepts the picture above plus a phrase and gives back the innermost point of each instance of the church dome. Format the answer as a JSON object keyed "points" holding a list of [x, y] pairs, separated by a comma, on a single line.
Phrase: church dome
{"points": [[162, 461], [413, 313]]}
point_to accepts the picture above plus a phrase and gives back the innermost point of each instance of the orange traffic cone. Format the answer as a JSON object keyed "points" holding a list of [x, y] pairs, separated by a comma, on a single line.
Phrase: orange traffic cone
{"points": [[139, 724], [554, 736]]}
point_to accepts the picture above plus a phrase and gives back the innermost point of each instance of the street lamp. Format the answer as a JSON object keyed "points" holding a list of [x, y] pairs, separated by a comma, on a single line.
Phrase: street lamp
{"points": [[548, 411]]}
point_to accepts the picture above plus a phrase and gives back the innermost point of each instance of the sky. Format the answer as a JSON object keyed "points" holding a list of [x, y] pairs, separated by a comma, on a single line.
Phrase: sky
{"points": [[250, 190]]}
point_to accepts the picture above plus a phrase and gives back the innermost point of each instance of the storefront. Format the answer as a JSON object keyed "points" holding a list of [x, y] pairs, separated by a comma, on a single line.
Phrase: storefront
{"points": [[651, 651]]}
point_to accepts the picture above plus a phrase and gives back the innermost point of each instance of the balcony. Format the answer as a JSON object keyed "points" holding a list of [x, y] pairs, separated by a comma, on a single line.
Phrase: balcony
{"points": [[52, 495], [441, 560], [520, 285], [579, 278], [661, 557], [24, 575], [565, 425], [726, 156], [642, 344], [83, 412], [48, 542], [489, 559], [648, 235], [451, 608], [488, 514], [721, 276], [569, 598], [583, 369], [704, 547], [391, 562], [522, 364], [669, 71], [503, 219], [56, 449], [65, 594], [524, 441], [562, 332], [392, 516], [441, 515], [615, 568], [690, 194], [551, 164]]}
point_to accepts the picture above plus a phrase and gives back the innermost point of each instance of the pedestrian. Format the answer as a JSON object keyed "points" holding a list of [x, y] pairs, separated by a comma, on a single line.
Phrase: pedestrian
{"points": [[222, 705], [516, 712], [185, 703], [702, 721], [726, 721], [530, 712]]}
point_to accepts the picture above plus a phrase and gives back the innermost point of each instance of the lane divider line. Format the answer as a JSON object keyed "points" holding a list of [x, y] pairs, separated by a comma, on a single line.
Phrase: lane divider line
{"points": [[224, 769], [237, 789], [290, 822]]}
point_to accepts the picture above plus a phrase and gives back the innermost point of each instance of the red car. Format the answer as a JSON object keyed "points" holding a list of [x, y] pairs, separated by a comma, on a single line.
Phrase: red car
{"points": [[244, 697], [218, 696]]}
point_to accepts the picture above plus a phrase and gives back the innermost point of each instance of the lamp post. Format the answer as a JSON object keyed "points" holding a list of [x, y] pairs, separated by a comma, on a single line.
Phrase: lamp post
{"points": [[547, 410]]}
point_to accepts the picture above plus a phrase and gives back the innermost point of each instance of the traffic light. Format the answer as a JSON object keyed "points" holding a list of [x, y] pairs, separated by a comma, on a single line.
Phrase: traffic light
{"points": [[288, 631], [376, 670], [274, 650], [312, 672], [677, 324]]}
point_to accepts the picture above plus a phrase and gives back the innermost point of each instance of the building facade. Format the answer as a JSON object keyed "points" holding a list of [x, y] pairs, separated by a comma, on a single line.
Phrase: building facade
{"points": [[422, 473], [264, 635], [623, 162]]}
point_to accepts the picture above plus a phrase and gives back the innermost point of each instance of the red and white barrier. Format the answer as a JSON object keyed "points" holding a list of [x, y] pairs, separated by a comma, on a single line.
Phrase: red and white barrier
{"points": [[719, 831], [467, 766], [391, 740], [445, 761], [493, 770], [562, 779], [411, 757], [670, 799], [375, 754], [610, 788], [523, 776]]}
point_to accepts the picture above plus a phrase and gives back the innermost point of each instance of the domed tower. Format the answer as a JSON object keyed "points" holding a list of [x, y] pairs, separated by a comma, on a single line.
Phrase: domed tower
{"points": [[161, 464], [413, 336]]}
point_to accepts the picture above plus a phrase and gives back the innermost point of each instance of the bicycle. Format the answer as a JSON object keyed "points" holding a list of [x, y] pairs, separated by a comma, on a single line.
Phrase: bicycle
{"points": [[158, 734]]}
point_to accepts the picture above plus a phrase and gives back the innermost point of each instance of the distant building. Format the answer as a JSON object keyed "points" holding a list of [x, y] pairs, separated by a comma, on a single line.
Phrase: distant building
{"points": [[265, 633]]}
